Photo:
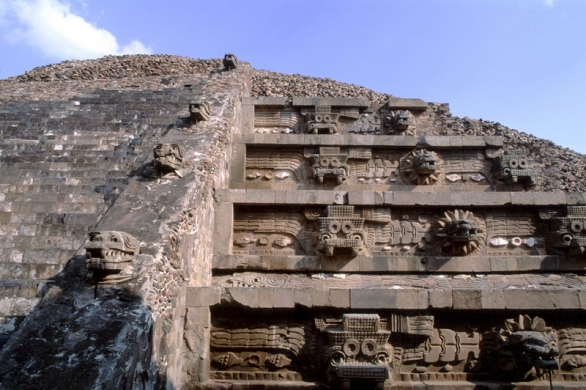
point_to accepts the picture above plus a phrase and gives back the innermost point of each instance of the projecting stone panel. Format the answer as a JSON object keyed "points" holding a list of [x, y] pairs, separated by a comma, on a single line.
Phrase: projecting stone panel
{"points": [[396, 231], [336, 346]]}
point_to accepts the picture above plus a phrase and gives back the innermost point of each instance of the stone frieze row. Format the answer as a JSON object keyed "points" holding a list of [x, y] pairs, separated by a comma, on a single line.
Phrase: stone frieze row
{"points": [[343, 230]]}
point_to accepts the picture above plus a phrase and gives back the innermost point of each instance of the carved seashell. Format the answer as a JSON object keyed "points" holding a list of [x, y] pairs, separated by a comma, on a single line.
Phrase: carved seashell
{"points": [[253, 175], [405, 248], [498, 241], [422, 219], [477, 177], [278, 361], [227, 360], [361, 180], [530, 242], [516, 241], [283, 241], [243, 241], [453, 177], [268, 176], [253, 360], [263, 241], [282, 175], [387, 248], [287, 131], [393, 179]]}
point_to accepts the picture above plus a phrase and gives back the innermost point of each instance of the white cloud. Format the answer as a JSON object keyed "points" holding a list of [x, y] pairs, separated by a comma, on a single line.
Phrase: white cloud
{"points": [[52, 27], [549, 3]]}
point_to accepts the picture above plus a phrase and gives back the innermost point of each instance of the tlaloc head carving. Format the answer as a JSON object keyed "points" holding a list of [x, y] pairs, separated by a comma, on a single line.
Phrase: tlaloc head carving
{"points": [[514, 166], [109, 254], [168, 158]]}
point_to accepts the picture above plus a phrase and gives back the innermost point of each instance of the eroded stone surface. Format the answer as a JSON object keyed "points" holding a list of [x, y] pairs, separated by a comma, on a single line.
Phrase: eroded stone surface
{"points": [[392, 243]]}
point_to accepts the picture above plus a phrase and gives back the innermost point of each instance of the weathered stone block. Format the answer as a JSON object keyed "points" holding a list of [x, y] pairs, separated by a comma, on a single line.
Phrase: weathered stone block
{"points": [[492, 299], [284, 298], [340, 298], [528, 299], [373, 299], [440, 299], [202, 296], [467, 299], [565, 299], [197, 316], [320, 297], [245, 296], [412, 299], [265, 297]]}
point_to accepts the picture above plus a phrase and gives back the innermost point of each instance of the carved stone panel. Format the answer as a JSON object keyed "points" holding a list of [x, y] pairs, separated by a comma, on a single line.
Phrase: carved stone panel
{"points": [[274, 350], [390, 231], [321, 119], [337, 165], [346, 349]]}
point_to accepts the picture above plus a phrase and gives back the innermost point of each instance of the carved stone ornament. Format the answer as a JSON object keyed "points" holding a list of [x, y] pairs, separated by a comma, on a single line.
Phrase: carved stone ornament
{"points": [[330, 163], [230, 61], [110, 254], [522, 346], [321, 121], [513, 166], [199, 110], [169, 160], [396, 121], [566, 229], [359, 350], [421, 167], [340, 231], [460, 233]]}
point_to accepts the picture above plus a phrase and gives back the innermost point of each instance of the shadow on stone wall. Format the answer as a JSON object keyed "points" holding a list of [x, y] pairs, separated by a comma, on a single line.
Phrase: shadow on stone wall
{"points": [[82, 337]]}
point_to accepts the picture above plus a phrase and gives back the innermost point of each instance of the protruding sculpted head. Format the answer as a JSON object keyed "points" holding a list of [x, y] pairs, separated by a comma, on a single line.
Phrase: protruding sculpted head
{"points": [[199, 110], [168, 158], [424, 162], [229, 61], [109, 254]]}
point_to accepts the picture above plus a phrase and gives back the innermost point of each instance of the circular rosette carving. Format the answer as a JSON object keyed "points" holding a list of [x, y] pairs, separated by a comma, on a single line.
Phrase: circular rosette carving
{"points": [[421, 167], [460, 233]]}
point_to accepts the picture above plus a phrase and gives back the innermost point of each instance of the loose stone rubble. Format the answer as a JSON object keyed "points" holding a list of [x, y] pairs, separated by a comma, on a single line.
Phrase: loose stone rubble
{"points": [[167, 222]]}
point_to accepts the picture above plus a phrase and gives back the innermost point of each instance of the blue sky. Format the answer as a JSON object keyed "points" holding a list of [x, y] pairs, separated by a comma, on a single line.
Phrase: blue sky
{"points": [[518, 62]]}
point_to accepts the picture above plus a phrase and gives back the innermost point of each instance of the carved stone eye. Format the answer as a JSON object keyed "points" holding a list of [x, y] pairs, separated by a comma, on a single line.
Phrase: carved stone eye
{"points": [[114, 239]]}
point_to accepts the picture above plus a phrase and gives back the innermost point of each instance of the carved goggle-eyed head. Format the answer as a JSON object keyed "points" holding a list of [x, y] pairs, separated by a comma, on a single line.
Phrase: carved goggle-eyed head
{"points": [[112, 247], [169, 157], [424, 162], [463, 230]]}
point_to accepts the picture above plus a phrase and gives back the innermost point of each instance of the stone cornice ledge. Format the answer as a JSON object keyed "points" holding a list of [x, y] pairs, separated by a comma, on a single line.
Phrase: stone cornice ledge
{"points": [[406, 264], [391, 299], [401, 198]]}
